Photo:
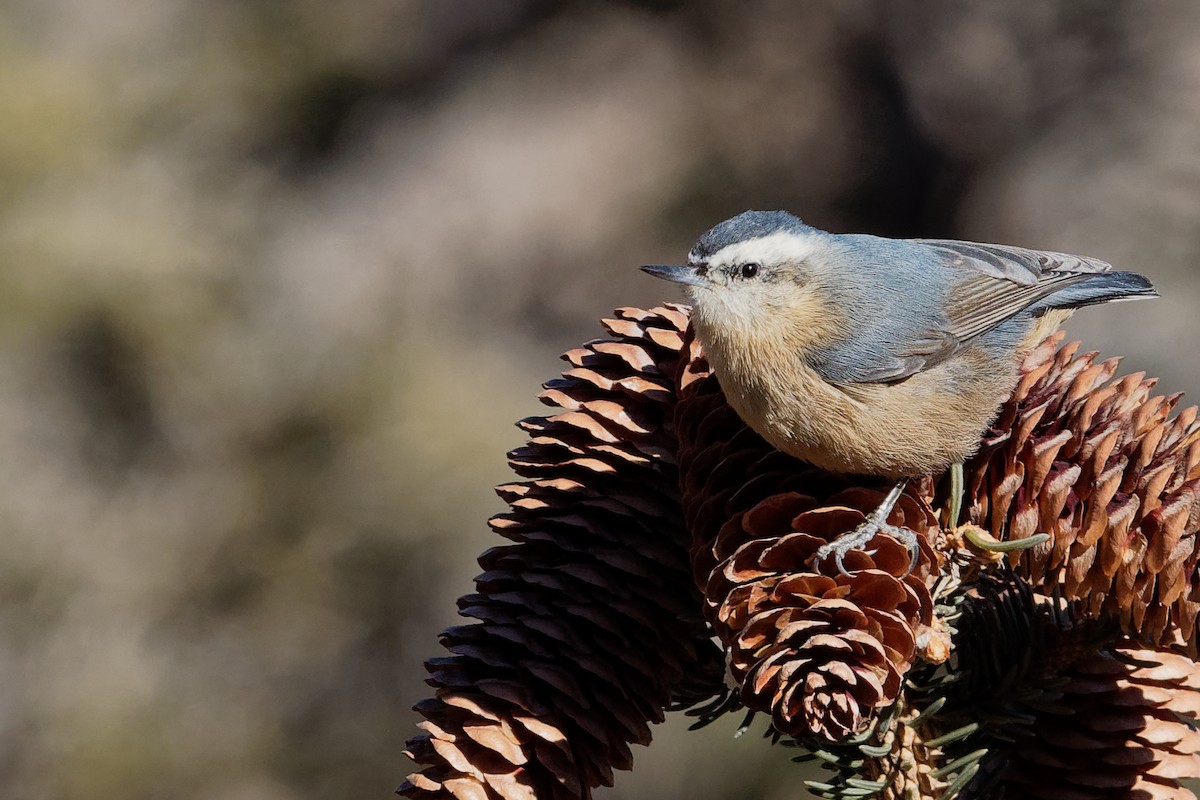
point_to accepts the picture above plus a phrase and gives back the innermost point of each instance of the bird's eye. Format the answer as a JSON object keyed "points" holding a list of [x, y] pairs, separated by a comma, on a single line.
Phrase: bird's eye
{"points": [[749, 270]]}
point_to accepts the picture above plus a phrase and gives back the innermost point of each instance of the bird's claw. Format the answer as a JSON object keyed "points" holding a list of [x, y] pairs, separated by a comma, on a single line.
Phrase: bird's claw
{"points": [[858, 537], [875, 523]]}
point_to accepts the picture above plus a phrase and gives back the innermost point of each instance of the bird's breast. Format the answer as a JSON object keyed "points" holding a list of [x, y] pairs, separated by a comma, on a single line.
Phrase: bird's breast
{"points": [[917, 426]]}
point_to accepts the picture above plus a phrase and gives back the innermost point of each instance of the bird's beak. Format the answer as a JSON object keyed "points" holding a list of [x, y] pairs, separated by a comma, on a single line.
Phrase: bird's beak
{"points": [[686, 275]]}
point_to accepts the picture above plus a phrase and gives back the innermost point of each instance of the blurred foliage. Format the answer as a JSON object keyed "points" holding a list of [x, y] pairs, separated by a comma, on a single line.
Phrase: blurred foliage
{"points": [[275, 277]]}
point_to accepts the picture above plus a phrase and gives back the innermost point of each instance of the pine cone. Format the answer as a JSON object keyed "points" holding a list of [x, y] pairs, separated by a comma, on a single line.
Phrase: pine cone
{"points": [[589, 624], [1057, 703], [1044, 696], [1098, 465], [1115, 730], [818, 650]]}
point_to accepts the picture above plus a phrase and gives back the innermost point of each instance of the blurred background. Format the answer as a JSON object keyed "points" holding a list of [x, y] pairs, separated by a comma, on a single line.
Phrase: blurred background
{"points": [[276, 277]]}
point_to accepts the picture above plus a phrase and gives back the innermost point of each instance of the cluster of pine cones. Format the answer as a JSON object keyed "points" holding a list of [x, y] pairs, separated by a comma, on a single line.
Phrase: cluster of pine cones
{"points": [[1044, 644]]}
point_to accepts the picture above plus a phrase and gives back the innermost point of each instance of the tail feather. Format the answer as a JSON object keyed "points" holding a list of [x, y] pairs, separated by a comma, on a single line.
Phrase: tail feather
{"points": [[1104, 287]]}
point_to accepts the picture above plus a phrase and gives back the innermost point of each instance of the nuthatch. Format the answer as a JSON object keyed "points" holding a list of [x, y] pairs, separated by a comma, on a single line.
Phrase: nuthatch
{"points": [[875, 356]]}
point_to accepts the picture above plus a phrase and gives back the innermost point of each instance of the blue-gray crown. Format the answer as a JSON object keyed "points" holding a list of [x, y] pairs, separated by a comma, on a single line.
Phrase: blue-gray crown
{"points": [[747, 225]]}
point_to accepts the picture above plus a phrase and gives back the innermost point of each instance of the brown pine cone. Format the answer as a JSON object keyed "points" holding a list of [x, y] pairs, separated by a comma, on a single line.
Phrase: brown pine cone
{"points": [[589, 625], [1097, 464], [819, 650], [1115, 731], [1062, 705]]}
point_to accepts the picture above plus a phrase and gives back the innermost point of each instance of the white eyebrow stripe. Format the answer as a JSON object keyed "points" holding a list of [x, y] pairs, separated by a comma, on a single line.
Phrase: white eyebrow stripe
{"points": [[774, 248]]}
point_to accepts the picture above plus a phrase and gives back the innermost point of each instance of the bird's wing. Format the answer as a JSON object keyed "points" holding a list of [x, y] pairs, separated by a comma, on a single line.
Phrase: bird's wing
{"points": [[1016, 264], [978, 304], [914, 355], [996, 283]]}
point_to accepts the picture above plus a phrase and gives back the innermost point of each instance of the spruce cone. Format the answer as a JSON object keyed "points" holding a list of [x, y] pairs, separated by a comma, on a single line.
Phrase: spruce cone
{"points": [[1098, 465], [590, 624], [818, 650], [1114, 731], [1057, 703]]}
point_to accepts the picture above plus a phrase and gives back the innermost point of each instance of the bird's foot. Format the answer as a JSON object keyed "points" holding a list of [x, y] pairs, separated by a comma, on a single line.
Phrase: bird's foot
{"points": [[855, 539], [874, 524]]}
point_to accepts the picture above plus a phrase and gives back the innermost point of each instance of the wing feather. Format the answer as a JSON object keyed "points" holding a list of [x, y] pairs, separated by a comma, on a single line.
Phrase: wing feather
{"points": [[996, 283], [1000, 281], [1016, 264], [978, 304]]}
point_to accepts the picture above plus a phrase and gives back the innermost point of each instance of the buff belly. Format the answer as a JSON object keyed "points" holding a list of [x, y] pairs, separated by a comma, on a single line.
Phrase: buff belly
{"points": [[920, 425], [917, 426]]}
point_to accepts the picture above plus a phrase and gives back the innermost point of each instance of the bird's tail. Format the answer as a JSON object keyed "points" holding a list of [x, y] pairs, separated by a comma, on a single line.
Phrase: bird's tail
{"points": [[1103, 287]]}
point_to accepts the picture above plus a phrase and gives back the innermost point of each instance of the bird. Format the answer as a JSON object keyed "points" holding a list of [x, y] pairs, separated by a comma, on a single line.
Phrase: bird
{"points": [[866, 355]]}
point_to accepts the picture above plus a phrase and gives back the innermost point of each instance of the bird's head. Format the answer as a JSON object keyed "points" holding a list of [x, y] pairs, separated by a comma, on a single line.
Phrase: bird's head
{"points": [[753, 271]]}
